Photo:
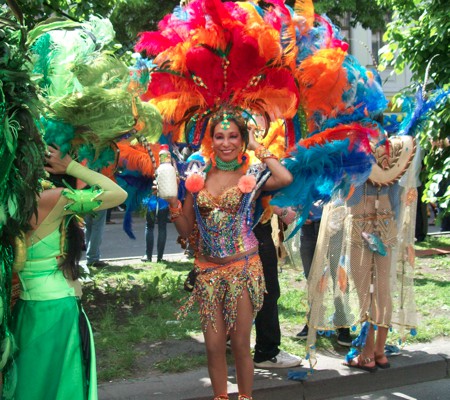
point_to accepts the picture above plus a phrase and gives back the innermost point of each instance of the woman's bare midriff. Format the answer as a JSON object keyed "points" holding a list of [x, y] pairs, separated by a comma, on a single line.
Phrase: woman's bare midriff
{"points": [[225, 260]]}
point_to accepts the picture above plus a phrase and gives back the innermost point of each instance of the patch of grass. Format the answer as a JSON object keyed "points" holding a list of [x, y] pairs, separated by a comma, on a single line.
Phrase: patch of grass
{"points": [[181, 363], [133, 310], [432, 242], [131, 305]]}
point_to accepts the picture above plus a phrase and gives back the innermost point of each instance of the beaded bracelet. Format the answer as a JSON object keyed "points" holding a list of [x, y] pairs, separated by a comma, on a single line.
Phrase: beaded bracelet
{"points": [[175, 212], [262, 153]]}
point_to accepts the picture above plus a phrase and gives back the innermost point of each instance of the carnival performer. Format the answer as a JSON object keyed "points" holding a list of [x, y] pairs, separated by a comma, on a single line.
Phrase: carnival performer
{"points": [[48, 322], [214, 62], [229, 284], [371, 233], [383, 219]]}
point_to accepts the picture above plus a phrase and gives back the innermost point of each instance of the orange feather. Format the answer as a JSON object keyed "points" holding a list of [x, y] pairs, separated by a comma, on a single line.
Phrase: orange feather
{"points": [[323, 81], [136, 158], [342, 279]]}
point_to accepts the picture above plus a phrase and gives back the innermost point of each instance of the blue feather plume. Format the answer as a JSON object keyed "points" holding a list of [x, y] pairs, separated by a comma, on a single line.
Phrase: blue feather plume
{"points": [[128, 224], [319, 172], [415, 120], [138, 187], [360, 341]]}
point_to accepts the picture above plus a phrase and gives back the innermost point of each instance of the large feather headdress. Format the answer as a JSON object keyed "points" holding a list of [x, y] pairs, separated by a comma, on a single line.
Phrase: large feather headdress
{"points": [[211, 55], [91, 97], [21, 145]]}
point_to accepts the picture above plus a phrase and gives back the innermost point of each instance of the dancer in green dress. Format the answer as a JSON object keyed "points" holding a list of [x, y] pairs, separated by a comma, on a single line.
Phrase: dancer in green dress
{"points": [[55, 357]]}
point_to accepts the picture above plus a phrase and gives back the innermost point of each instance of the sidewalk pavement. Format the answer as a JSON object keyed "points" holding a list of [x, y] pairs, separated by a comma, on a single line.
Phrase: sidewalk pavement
{"points": [[416, 363]]}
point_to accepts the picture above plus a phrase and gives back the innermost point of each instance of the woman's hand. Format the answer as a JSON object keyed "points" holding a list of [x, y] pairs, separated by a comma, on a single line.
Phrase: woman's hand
{"points": [[173, 202], [252, 143], [287, 214], [55, 164]]}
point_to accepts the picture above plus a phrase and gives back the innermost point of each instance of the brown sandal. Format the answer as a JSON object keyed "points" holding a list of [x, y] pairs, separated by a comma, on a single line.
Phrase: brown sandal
{"points": [[361, 363], [381, 365]]}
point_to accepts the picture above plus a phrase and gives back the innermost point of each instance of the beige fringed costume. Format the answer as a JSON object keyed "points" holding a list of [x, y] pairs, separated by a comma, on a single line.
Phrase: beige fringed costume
{"points": [[363, 264]]}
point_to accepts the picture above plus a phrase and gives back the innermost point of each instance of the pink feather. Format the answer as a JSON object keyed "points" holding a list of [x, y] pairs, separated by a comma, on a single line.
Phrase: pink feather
{"points": [[153, 43]]}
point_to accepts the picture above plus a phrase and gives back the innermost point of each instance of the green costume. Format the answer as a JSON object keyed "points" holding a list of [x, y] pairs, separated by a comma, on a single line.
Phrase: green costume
{"points": [[46, 328], [55, 356]]}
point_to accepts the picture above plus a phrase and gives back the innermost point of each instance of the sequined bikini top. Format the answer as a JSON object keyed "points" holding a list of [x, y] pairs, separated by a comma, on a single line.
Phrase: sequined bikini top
{"points": [[225, 222]]}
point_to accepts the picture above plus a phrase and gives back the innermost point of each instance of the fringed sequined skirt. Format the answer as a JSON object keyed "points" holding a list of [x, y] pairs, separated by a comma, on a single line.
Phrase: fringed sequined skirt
{"points": [[219, 286]]}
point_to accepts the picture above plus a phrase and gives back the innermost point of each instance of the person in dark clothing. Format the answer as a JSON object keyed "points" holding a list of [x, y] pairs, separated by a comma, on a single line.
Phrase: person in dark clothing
{"points": [[268, 334]]}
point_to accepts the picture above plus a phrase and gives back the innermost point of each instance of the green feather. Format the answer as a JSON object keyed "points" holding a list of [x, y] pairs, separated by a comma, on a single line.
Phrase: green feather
{"points": [[105, 71], [48, 25]]}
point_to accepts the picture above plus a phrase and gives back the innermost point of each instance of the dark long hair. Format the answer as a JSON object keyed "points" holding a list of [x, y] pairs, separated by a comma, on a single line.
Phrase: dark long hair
{"points": [[74, 236]]}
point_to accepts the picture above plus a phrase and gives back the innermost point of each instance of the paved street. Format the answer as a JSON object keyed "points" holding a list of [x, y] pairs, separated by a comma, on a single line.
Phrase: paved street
{"points": [[116, 243], [432, 390]]}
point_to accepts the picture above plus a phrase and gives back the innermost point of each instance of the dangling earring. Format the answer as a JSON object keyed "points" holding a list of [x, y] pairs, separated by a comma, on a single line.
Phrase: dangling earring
{"points": [[241, 155], [213, 158]]}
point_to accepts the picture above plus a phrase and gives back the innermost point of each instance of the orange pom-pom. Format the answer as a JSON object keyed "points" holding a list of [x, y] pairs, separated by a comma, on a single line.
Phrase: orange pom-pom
{"points": [[247, 183], [195, 183]]}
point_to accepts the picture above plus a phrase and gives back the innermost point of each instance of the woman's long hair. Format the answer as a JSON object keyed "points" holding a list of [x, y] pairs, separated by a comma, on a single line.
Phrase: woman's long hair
{"points": [[74, 236]]}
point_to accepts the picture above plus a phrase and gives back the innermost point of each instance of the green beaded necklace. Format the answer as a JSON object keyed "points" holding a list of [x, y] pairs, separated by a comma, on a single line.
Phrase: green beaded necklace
{"points": [[228, 165]]}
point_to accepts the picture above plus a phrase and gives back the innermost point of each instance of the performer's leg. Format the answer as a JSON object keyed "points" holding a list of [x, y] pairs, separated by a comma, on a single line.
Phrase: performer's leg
{"points": [[240, 345]]}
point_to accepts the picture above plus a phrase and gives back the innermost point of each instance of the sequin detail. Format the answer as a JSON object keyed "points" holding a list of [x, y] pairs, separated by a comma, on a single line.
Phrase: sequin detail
{"points": [[219, 284], [224, 222]]}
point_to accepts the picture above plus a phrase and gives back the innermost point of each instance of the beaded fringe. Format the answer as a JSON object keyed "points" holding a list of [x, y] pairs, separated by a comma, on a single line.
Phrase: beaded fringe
{"points": [[222, 285]]}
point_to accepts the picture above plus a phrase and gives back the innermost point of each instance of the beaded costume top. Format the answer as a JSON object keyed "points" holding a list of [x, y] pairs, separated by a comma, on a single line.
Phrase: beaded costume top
{"points": [[225, 222]]}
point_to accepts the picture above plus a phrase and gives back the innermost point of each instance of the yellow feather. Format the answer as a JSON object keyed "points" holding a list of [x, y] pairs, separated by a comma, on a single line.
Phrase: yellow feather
{"points": [[305, 8], [275, 139]]}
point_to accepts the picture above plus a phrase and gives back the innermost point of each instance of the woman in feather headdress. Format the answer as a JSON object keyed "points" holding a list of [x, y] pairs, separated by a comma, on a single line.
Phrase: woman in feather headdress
{"points": [[225, 59], [229, 284], [215, 64]]}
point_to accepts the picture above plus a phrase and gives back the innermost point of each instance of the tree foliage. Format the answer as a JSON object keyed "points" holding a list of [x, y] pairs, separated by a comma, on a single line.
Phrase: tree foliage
{"points": [[420, 32], [36, 11], [129, 17], [367, 12], [132, 17]]}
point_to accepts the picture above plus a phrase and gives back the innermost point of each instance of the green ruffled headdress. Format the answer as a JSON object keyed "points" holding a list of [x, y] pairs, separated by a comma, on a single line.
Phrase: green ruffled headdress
{"points": [[89, 94]]}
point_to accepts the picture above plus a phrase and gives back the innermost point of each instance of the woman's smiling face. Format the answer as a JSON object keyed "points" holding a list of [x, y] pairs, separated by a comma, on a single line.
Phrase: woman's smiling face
{"points": [[227, 142]]}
